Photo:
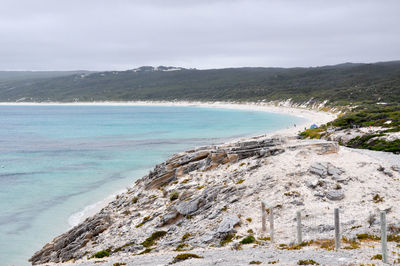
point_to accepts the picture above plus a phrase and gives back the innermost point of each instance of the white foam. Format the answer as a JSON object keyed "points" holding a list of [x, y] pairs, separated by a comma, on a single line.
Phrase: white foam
{"points": [[91, 209]]}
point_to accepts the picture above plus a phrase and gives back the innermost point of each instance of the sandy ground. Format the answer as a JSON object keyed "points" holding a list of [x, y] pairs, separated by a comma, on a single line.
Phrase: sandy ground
{"points": [[265, 255]]}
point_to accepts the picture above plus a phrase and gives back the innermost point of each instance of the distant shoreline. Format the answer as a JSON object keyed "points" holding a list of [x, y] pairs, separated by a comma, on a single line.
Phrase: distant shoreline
{"points": [[283, 107]]}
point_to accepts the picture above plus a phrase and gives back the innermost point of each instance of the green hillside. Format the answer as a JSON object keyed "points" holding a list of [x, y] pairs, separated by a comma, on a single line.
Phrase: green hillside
{"points": [[341, 84]]}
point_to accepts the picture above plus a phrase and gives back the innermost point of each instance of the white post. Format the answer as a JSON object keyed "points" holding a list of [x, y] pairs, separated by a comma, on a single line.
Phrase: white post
{"points": [[383, 236], [299, 236], [337, 229], [271, 223], [263, 217]]}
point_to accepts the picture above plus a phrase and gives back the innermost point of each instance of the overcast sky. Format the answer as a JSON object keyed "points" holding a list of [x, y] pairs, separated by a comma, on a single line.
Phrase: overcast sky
{"points": [[117, 34]]}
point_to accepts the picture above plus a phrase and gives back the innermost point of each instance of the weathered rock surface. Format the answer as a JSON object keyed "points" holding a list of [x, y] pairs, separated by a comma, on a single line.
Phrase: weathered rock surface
{"points": [[320, 169], [198, 197], [209, 158], [68, 245], [228, 223], [335, 194]]}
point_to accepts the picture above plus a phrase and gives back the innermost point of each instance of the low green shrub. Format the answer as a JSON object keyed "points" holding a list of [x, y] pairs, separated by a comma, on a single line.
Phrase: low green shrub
{"points": [[101, 254], [184, 256], [174, 196], [150, 241], [248, 240]]}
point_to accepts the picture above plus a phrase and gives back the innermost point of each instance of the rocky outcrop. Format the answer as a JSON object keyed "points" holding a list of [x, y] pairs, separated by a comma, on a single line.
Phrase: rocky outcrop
{"points": [[207, 158], [181, 199], [68, 245]]}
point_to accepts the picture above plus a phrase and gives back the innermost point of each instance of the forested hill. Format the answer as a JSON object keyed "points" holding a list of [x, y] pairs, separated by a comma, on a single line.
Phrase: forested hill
{"points": [[340, 84]]}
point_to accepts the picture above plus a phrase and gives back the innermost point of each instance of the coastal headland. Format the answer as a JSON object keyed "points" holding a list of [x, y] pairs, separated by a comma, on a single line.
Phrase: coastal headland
{"points": [[203, 206]]}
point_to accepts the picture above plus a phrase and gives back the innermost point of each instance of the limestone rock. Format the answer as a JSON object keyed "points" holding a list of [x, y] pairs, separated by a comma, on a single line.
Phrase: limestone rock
{"points": [[335, 194], [169, 218], [65, 247], [188, 207], [228, 223], [332, 170], [319, 168], [207, 238], [312, 183]]}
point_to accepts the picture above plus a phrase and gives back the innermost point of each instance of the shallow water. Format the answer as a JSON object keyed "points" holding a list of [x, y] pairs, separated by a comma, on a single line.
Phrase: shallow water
{"points": [[56, 160]]}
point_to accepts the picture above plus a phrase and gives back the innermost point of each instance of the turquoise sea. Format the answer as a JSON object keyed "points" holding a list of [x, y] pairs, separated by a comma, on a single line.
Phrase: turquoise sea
{"points": [[57, 160]]}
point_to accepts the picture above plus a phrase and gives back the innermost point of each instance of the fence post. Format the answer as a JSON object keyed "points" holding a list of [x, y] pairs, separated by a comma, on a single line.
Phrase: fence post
{"points": [[337, 229], [299, 236], [263, 217], [271, 223], [383, 236]]}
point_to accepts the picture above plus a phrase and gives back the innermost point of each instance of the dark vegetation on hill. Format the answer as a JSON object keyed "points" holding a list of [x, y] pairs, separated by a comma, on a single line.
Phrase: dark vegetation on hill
{"points": [[345, 84]]}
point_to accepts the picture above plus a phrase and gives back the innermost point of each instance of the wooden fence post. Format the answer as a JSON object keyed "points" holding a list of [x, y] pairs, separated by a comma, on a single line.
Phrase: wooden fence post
{"points": [[299, 235], [384, 236], [271, 223], [337, 229], [263, 217]]}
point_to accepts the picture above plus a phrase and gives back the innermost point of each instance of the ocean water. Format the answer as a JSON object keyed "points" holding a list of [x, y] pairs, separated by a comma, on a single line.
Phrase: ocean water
{"points": [[55, 161]]}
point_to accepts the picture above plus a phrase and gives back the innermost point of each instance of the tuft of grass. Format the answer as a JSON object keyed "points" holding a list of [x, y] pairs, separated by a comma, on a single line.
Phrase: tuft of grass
{"points": [[292, 194], [249, 219], [186, 236], [327, 244], [174, 196], [181, 247], [134, 200], [352, 244], [227, 239], [118, 249], [366, 237], [186, 180], [248, 240], [101, 254], [240, 181], [147, 250], [314, 133], [119, 264], [184, 256], [377, 198], [307, 262], [200, 187], [264, 238], [377, 257], [273, 262], [355, 227], [296, 247], [150, 241], [393, 238], [255, 262], [145, 219]]}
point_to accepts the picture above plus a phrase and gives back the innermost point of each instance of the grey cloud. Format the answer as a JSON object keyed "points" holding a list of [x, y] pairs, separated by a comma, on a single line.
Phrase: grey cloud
{"points": [[102, 35]]}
